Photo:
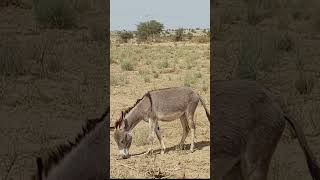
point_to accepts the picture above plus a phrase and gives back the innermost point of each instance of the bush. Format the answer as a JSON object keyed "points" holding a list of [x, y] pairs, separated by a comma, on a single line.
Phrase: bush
{"points": [[179, 35], [125, 36], [54, 13], [149, 29]]}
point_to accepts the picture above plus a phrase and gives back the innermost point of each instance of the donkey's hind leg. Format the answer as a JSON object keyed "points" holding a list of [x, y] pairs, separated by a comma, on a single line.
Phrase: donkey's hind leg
{"points": [[190, 116], [157, 130], [186, 129]]}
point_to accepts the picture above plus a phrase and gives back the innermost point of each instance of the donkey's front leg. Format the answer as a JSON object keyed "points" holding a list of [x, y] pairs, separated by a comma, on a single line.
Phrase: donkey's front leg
{"points": [[157, 130], [151, 136]]}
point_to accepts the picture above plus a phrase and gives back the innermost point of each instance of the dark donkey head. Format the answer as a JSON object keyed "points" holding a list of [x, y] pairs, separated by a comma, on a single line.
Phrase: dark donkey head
{"points": [[122, 136]]}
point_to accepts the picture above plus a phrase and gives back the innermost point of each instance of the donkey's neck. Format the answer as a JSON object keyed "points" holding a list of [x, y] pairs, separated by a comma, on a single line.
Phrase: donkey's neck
{"points": [[140, 112]]}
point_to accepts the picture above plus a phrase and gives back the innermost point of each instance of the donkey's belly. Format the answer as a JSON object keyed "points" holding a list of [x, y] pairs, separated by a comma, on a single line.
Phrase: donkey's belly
{"points": [[169, 116]]}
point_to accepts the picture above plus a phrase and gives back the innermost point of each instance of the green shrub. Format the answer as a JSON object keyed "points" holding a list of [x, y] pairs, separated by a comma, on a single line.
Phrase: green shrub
{"points": [[125, 36], [54, 13], [178, 35], [149, 29]]}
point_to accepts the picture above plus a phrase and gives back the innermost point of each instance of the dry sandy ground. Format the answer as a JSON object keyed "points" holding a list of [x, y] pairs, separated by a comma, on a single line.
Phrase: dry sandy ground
{"points": [[184, 63], [38, 109], [301, 25]]}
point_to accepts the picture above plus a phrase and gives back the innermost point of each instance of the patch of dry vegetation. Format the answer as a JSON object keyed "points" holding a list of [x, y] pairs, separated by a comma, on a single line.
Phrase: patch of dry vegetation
{"points": [[166, 63]]}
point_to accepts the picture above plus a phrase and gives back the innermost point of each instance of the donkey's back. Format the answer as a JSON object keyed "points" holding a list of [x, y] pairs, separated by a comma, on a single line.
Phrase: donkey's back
{"points": [[173, 99]]}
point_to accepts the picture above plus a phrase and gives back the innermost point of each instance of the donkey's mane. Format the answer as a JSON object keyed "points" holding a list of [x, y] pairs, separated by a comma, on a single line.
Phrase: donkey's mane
{"points": [[56, 155], [126, 111]]}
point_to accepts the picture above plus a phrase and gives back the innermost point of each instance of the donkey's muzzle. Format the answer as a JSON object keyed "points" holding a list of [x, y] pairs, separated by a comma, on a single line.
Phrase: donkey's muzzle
{"points": [[124, 153]]}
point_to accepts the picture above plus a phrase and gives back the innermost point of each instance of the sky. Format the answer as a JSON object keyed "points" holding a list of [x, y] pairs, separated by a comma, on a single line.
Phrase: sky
{"points": [[126, 14]]}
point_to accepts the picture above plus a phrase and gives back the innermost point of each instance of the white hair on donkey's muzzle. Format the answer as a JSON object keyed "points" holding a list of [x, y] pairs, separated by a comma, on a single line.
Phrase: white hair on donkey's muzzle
{"points": [[124, 152]]}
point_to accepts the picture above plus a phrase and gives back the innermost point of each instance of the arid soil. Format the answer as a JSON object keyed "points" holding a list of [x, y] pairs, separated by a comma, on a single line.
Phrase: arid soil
{"points": [[154, 66], [280, 49], [44, 100]]}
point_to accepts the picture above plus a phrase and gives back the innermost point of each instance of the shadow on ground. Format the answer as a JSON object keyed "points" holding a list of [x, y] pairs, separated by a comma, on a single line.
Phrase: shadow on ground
{"points": [[198, 146]]}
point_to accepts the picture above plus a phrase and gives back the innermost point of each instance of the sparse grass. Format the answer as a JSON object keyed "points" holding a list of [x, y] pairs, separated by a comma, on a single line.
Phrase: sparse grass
{"points": [[163, 64], [146, 78], [201, 39], [189, 80], [118, 80], [198, 75], [204, 86], [126, 65], [140, 138], [156, 75], [148, 62]]}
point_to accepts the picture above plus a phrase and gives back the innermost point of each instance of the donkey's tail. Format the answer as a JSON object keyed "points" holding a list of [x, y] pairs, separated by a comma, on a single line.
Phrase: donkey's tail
{"points": [[205, 108], [311, 161]]}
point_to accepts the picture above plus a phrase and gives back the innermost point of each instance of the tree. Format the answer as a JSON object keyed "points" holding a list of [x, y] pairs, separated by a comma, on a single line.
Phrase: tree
{"points": [[149, 29]]}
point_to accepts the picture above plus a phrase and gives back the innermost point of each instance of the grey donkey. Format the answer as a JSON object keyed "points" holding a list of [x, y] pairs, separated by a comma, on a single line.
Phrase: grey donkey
{"points": [[159, 105], [246, 127]]}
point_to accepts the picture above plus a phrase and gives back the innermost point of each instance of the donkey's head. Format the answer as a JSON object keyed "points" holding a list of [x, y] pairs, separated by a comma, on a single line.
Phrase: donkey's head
{"points": [[122, 136]]}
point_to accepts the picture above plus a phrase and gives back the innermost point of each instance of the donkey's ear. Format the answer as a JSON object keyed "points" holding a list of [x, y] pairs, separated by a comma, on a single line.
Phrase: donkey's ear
{"points": [[122, 124]]}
